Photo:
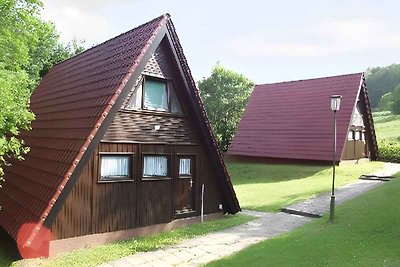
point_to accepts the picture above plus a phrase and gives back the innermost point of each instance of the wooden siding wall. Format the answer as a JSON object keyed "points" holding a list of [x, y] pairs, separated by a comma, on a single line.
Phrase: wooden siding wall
{"points": [[139, 127], [354, 149], [212, 192], [98, 207]]}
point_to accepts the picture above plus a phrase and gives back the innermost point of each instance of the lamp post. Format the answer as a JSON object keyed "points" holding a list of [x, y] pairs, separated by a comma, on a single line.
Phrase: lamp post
{"points": [[335, 106]]}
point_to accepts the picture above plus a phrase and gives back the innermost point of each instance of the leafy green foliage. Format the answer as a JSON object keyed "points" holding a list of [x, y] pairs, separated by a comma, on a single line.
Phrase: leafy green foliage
{"points": [[380, 81], [14, 115], [225, 94], [101, 254], [395, 100], [387, 127], [365, 233], [389, 150], [391, 101], [29, 46], [269, 187]]}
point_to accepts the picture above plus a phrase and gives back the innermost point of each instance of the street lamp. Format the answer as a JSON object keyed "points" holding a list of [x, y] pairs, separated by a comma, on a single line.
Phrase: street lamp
{"points": [[335, 106]]}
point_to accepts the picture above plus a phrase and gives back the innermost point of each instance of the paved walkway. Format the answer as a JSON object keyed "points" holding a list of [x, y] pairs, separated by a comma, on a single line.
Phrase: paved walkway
{"points": [[200, 250]]}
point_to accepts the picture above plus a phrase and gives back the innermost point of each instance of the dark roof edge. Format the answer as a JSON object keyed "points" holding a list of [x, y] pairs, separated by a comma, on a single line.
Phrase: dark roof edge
{"points": [[94, 137], [317, 78], [369, 121], [212, 145]]}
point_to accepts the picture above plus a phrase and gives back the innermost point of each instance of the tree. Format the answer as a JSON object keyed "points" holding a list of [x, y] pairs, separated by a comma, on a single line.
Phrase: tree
{"points": [[381, 80], [29, 46], [395, 100], [225, 94], [385, 104]]}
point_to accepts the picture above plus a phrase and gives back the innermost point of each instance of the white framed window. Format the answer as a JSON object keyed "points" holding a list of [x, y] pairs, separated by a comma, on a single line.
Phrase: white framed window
{"points": [[350, 135], [155, 94], [115, 167], [136, 99], [185, 167], [357, 135], [155, 166]]}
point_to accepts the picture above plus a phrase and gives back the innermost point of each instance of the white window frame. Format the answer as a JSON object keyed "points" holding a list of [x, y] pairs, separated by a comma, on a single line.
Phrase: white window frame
{"points": [[116, 178], [189, 165], [140, 92], [155, 176]]}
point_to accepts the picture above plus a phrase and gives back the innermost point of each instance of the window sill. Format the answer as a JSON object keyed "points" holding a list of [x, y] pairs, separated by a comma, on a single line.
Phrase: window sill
{"points": [[146, 178], [152, 112], [115, 181]]}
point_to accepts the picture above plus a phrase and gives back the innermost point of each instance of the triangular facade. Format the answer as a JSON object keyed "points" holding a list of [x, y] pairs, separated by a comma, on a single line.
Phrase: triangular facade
{"points": [[121, 142]]}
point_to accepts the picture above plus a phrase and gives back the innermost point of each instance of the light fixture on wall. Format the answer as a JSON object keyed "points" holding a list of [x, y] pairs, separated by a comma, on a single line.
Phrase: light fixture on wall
{"points": [[157, 127], [335, 106]]}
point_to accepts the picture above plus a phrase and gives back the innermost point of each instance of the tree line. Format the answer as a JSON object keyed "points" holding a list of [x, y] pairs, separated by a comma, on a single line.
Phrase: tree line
{"points": [[383, 85]]}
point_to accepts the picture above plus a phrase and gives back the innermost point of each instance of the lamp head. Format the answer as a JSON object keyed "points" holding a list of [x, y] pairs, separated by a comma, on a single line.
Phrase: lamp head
{"points": [[335, 102]]}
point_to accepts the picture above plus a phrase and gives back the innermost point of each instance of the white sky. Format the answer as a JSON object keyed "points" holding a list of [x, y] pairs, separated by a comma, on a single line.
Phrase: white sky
{"points": [[268, 41]]}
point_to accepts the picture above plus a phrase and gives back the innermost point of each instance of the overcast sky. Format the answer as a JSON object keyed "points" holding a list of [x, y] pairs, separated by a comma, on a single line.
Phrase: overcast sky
{"points": [[268, 41]]}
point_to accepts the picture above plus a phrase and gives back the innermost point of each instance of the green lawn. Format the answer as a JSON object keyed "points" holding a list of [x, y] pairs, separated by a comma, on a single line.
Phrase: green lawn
{"points": [[365, 233], [101, 254], [387, 125], [269, 187]]}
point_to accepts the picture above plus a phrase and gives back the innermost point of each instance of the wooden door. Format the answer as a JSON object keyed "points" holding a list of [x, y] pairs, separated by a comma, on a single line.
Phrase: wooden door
{"points": [[185, 185]]}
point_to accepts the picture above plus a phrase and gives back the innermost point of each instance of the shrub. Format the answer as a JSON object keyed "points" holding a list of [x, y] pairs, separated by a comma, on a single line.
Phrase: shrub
{"points": [[389, 150]]}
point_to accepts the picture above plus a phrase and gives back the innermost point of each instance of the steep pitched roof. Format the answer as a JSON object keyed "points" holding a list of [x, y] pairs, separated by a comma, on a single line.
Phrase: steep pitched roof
{"points": [[73, 103], [293, 120]]}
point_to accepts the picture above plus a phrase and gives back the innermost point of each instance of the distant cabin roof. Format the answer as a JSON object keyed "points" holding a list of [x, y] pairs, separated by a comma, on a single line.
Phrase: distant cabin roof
{"points": [[294, 120]]}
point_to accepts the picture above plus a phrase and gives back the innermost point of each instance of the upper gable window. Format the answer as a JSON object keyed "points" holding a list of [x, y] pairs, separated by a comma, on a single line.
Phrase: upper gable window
{"points": [[155, 94]]}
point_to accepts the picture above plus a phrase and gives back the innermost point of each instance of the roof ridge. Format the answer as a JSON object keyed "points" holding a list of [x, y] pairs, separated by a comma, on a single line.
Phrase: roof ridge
{"points": [[310, 79], [167, 16]]}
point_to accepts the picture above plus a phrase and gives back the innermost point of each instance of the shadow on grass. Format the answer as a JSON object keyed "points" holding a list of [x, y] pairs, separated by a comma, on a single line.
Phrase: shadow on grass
{"points": [[278, 205], [253, 173], [8, 250]]}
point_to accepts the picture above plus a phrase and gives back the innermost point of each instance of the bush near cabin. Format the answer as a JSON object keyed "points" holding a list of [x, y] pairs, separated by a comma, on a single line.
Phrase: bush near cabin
{"points": [[388, 135], [389, 150]]}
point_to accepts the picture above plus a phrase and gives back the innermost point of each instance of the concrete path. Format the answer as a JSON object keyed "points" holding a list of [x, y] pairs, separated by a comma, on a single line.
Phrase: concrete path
{"points": [[199, 251]]}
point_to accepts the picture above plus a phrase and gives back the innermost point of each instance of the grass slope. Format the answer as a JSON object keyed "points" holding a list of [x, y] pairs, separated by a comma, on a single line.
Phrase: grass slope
{"points": [[387, 125], [101, 254], [269, 187], [365, 233]]}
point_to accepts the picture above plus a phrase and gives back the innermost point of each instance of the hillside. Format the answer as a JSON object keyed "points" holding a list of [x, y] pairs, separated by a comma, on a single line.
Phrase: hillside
{"points": [[387, 131], [380, 81]]}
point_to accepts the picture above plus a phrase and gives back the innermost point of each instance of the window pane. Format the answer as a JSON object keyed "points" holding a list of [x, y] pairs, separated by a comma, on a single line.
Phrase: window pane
{"points": [[175, 105], [155, 95], [184, 167], [136, 98], [114, 166], [357, 136], [155, 166], [350, 135]]}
